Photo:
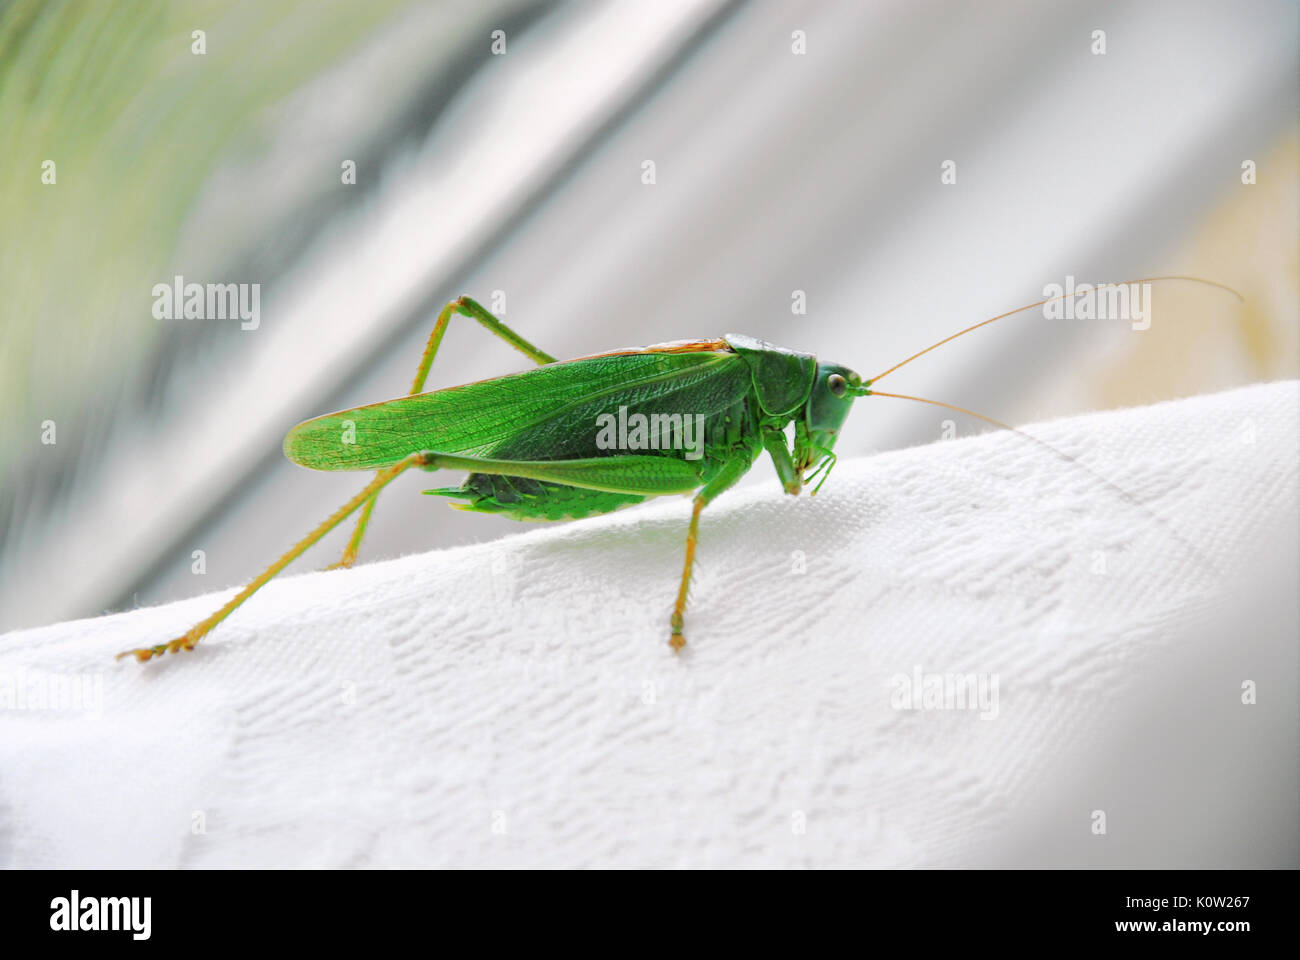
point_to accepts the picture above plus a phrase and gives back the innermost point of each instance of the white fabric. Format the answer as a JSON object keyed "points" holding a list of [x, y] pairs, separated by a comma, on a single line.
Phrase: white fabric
{"points": [[516, 703]]}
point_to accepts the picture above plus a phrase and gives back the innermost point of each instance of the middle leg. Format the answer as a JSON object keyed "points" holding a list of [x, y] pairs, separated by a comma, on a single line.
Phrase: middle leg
{"points": [[731, 471]]}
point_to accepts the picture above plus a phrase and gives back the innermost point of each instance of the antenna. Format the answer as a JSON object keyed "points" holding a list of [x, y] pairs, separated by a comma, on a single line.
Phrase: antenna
{"points": [[1040, 303]]}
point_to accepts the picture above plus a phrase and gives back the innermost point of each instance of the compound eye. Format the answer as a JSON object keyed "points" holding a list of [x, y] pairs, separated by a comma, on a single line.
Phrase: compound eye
{"points": [[836, 384]]}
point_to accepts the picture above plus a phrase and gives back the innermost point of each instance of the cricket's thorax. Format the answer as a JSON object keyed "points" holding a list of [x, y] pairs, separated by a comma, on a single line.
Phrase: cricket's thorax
{"points": [[715, 404]]}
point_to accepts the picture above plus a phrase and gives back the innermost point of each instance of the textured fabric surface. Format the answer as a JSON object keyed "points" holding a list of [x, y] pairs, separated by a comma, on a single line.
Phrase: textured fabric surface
{"points": [[516, 703]]}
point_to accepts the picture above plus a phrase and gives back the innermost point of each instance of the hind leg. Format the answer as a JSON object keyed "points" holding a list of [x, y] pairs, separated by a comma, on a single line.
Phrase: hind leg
{"points": [[469, 308]]}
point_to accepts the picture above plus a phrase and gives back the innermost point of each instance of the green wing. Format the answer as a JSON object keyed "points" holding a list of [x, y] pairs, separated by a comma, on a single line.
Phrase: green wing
{"points": [[548, 413]]}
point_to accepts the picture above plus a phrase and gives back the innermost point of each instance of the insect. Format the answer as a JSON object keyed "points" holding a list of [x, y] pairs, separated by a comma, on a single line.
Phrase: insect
{"points": [[539, 445]]}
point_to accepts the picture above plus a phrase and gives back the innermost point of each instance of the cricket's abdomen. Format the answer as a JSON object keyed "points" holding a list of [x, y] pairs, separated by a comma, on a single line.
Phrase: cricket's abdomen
{"points": [[726, 433], [523, 499]]}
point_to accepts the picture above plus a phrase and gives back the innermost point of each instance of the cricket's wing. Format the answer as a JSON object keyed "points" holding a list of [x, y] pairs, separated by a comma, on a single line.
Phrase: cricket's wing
{"points": [[548, 413]]}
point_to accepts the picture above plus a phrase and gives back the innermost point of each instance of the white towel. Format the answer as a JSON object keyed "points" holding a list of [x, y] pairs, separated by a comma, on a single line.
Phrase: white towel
{"points": [[516, 703]]}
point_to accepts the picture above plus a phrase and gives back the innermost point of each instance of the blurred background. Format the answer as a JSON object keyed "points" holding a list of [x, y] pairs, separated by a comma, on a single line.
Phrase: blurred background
{"points": [[503, 148]]}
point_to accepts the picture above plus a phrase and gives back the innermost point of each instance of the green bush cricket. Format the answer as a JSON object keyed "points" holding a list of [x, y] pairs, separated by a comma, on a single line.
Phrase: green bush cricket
{"points": [[538, 444]]}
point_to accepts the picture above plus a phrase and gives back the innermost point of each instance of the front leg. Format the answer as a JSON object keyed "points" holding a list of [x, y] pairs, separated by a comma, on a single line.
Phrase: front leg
{"points": [[791, 475]]}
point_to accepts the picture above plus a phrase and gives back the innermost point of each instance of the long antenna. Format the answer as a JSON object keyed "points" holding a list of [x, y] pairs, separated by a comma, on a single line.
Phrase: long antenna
{"points": [[1040, 303]]}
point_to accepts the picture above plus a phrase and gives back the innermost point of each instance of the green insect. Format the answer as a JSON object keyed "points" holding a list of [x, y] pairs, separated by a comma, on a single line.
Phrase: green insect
{"points": [[540, 445]]}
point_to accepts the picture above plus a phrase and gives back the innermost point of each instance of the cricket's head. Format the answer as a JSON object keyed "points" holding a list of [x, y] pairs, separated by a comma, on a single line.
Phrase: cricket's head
{"points": [[833, 391]]}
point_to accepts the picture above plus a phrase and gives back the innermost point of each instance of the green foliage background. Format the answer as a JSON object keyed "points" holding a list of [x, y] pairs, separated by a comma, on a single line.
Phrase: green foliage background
{"points": [[135, 122]]}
